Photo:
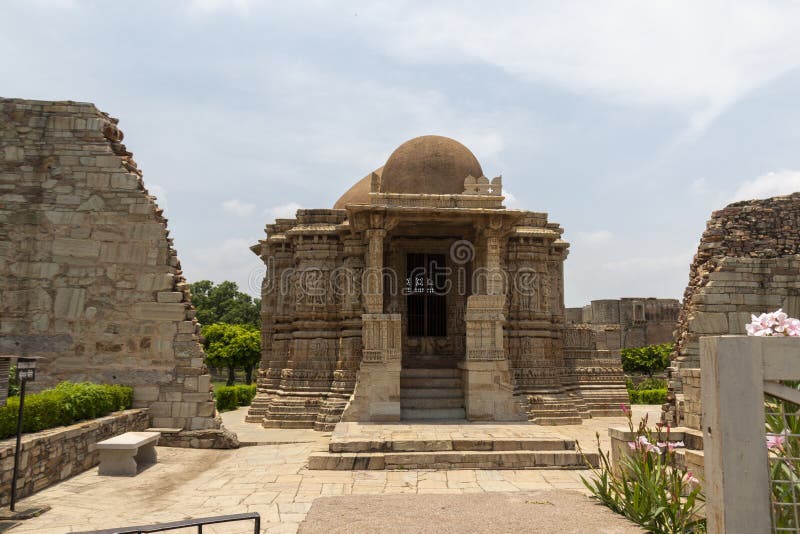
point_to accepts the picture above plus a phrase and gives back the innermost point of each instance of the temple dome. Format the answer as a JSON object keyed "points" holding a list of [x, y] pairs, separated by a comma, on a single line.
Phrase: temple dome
{"points": [[430, 164], [359, 193]]}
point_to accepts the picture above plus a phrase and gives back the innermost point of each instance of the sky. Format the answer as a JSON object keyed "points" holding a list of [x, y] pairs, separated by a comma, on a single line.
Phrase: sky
{"points": [[628, 122]]}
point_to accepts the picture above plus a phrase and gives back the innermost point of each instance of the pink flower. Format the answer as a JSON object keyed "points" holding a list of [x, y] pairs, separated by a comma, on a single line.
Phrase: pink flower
{"points": [[759, 326], [779, 320], [625, 409], [792, 327], [690, 479], [670, 445], [632, 445], [774, 323], [643, 443], [775, 442]]}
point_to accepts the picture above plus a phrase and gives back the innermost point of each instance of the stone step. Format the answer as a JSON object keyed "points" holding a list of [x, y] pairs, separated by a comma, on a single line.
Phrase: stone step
{"points": [[550, 420], [435, 403], [456, 444], [451, 460], [419, 414], [287, 423], [430, 383], [432, 373], [423, 393]]}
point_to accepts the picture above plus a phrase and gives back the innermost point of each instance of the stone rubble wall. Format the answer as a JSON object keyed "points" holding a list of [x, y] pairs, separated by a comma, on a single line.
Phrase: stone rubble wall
{"points": [[748, 262], [53, 455], [89, 279], [641, 321]]}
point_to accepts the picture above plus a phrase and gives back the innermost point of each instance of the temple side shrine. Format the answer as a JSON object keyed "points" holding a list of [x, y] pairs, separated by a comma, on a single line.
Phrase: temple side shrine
{"points": [[419, 296]]}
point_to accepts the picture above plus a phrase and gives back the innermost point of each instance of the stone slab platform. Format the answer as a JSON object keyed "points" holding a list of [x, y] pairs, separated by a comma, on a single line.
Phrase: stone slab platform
{"points": [[544, 512], [451, 460], [446, 436], [448, 445]]}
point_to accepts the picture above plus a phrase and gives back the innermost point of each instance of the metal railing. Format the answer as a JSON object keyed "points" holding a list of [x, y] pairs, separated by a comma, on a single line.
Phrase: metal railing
{"points": [[186, 523]]}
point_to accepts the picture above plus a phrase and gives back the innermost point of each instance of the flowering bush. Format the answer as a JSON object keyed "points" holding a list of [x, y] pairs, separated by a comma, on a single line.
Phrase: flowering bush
{"points": [[646, 488], [783, 428], [776, 323], [783, 446]]}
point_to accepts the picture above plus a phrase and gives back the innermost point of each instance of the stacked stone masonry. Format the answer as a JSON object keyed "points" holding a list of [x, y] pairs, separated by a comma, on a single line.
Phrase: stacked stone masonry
{"points": [[89, 279], [634, 322], [54, 455], [748, 262], [337, 299]]}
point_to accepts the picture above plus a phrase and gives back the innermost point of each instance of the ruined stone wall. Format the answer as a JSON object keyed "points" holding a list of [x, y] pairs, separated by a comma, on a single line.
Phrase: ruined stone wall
{"points": [[748, 262], [89, 280], [639, 321]]}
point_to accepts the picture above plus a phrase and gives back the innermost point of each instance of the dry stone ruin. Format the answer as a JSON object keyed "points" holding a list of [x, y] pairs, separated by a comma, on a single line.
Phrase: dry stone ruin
{"points": [[419, 296], [748, 262], [89, 279], [629, 322]]}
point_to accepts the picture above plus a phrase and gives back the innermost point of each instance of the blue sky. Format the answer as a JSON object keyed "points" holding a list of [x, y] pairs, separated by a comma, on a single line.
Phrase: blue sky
{"points": [[628, 122]]}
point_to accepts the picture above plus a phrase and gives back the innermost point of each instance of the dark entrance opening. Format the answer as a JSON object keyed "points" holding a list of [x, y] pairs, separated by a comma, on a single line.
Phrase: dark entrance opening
{"points": [[426, 295]]}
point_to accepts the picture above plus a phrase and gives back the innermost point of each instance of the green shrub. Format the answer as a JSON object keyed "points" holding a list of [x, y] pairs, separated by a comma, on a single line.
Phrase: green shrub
{"points": [[245, 394], [226, 398], [648, 396], [647, 487], [63, 405], [231, 397], [649, 360], [652, 383]]}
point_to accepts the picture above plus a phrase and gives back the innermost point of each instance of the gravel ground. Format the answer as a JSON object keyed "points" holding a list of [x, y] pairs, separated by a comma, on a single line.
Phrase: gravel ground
{"points": [[495, 513]]}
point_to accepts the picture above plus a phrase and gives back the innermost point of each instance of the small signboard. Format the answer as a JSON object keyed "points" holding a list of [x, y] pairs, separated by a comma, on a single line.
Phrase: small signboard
{"points": [[26, 369]]}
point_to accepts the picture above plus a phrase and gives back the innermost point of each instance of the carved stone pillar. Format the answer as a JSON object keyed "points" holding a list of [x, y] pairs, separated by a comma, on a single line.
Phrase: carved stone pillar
{"points": [[377, 393], [494, 282], [373, 274], [488, 387]]}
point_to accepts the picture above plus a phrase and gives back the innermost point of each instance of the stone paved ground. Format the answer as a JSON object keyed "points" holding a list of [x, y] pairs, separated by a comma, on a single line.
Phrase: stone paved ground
{"points": [[543, 512], [269, 479]]}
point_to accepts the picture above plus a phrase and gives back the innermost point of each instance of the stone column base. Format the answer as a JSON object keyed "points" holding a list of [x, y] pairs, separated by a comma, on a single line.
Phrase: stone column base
{"points": [[488, 392], [377, 394]]}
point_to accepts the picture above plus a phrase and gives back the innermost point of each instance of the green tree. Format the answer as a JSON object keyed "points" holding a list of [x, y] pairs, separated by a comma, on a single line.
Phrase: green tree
{"points": [[232, 346], [224, 303], [649, 360]]}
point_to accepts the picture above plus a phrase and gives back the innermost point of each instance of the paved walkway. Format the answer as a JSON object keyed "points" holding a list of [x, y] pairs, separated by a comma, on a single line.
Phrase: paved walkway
{"points": [[269, 479], [543, 512]]}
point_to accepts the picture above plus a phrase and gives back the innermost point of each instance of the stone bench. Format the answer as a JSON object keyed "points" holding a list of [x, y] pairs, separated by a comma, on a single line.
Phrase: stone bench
{"points": [[121, 455]]}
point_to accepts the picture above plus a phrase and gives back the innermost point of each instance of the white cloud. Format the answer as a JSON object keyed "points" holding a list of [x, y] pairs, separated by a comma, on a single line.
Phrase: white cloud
{"points": [[284, 211], [230, 259], [598, 237], [214, 6], [769, 185], [698, 187], [650, 264], [237, 207], [699, 57], [511, 202]]}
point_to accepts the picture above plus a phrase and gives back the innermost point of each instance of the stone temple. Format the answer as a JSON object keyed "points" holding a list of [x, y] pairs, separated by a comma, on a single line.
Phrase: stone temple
{"points": [[419, 296]]}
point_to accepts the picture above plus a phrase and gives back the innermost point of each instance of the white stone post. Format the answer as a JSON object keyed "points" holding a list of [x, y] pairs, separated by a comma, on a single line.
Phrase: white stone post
{"points": [[737, 482]]}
